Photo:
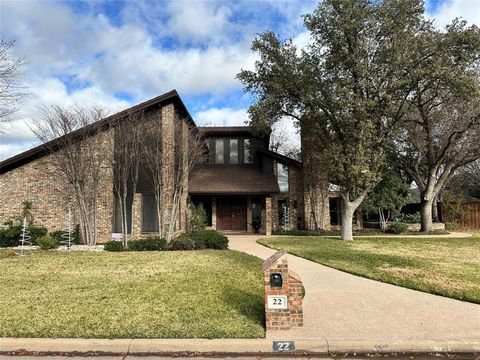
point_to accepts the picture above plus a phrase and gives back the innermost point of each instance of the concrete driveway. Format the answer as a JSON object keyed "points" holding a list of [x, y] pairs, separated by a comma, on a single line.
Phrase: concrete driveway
{"points": [[338, 305]]}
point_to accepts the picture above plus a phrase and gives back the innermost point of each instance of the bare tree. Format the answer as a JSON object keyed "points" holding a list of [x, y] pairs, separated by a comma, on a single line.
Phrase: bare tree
{"points": [[73, 138], [316, 182], [10, 71], [152, 153], [190, 149], [126, 162], [281, 141]]}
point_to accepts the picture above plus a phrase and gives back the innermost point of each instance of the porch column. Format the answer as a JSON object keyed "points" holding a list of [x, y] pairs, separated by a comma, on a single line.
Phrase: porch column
{"points": [[268, 215], [137, 220], [249, 214], [214, 213]]}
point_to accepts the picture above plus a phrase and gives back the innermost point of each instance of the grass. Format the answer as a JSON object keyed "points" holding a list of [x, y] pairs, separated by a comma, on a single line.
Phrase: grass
{"points": [[443, 266], [182, 294]]}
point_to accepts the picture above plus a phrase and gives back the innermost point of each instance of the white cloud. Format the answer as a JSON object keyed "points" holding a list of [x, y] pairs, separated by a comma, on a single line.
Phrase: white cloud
{"points": [[148, 48], [221, 117], [17, 136], [448, 10]]}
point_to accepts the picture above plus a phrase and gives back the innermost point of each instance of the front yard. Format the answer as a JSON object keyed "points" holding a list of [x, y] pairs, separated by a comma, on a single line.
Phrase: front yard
{"points": [[443, 266], [181, 294]]}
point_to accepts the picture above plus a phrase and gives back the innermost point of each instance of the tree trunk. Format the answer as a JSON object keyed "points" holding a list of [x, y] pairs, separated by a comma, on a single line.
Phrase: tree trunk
{"points": [[426, 215], [347, 220], [435, 210], [348, 209], [381, 219]]}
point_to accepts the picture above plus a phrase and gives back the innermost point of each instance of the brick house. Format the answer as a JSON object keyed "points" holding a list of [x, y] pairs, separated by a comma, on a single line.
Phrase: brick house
{"points": [[243, 186]]}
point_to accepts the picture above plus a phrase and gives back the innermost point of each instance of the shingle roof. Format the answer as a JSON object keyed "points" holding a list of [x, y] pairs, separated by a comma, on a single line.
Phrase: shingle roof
{"points": [[225, 130], [231, 180], [43, 149]]}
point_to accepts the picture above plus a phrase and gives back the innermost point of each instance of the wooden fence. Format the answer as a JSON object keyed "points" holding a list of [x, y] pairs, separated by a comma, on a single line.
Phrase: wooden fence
{"points": [[471, 215]]}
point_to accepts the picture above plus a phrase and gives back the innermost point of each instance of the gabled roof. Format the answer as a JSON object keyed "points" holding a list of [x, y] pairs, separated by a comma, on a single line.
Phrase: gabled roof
{"points": [[104, 124], [226, 130], [231, 180], [280, 158]]}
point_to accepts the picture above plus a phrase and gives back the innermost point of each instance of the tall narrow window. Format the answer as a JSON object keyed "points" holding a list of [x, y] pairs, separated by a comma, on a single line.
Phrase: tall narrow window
{"points": [[282, 176], [247, 151], [219, 151], [233, 151]]}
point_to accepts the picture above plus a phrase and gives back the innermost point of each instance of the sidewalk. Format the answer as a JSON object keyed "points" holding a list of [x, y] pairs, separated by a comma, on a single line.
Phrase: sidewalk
{"points": [[338, 305]]}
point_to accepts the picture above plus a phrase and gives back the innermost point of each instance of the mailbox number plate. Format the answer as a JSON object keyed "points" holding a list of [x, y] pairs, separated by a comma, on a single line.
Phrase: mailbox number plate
{"points": [[277, 301], [284, 346]]}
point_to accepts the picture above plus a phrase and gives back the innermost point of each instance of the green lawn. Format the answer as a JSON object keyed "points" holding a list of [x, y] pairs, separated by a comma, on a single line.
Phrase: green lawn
{"points": [[444, 266], [182, 294]]}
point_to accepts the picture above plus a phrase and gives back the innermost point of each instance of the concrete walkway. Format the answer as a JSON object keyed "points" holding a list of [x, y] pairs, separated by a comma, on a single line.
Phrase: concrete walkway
{"points": [[338, 305]]}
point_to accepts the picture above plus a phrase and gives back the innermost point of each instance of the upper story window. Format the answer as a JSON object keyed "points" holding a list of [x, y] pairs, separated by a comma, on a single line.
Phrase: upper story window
{"points": [[233, 151], [229, 150], [218, 151], [282, 177], [247, 151]]}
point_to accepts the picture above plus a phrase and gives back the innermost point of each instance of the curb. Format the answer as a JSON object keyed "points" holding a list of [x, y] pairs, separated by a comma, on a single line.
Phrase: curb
{"points": [[232, 347]]}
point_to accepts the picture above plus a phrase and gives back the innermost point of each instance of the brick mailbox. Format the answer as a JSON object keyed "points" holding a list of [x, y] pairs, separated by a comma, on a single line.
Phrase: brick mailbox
{"points": [[283, 294]]}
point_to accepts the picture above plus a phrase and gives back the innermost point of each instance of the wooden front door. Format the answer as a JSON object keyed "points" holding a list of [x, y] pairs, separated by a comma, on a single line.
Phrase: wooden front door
{"points": [[232, 214]]}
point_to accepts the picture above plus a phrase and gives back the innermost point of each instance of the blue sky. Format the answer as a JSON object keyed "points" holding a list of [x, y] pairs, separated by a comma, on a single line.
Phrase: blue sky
{"points": [[115, 54]]}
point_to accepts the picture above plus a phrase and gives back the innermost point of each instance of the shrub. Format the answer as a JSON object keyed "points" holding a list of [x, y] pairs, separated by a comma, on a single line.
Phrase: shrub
{"points": [[451, 226], [408, 218], [58, 236], [183, 242], [47, 243], [12, 234], [396, 227], [113, 246], [210, 238], [150, 244], [198, 217], [36, 232]]}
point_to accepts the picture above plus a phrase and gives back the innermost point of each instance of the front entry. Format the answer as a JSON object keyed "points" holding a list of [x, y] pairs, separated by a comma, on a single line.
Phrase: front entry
{"points": [[232, 214]]}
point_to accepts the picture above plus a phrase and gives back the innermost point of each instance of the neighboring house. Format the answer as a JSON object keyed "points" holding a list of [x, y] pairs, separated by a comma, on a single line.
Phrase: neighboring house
{"points": [[243, 186]]}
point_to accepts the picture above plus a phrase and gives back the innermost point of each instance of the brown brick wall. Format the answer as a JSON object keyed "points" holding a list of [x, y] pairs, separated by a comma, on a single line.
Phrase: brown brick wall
{"points": [[41, 183], [282, 319]]}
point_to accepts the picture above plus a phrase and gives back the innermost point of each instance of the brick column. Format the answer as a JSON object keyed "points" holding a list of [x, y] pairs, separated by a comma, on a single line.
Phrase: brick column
{"points": [[283, 304], [137, 220], [214, 213], [268, 215], [249, 214]]}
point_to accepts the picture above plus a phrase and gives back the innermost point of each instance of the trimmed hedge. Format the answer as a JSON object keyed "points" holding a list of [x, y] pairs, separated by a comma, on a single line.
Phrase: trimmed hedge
{"points": [[58, 235], [149, 244], [113, 246], [396, 228], [47, 243], [209, 239], [183, 242], [11, 235]]}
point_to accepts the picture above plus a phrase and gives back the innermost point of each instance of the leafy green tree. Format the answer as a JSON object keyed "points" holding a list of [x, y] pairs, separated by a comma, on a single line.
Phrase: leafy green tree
{"points": [[345, 91], [442, 126], [391, 193]]}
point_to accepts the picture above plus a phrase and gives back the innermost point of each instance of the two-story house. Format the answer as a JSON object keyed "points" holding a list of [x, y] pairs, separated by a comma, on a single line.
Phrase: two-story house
{"points": [[243, 186]]}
